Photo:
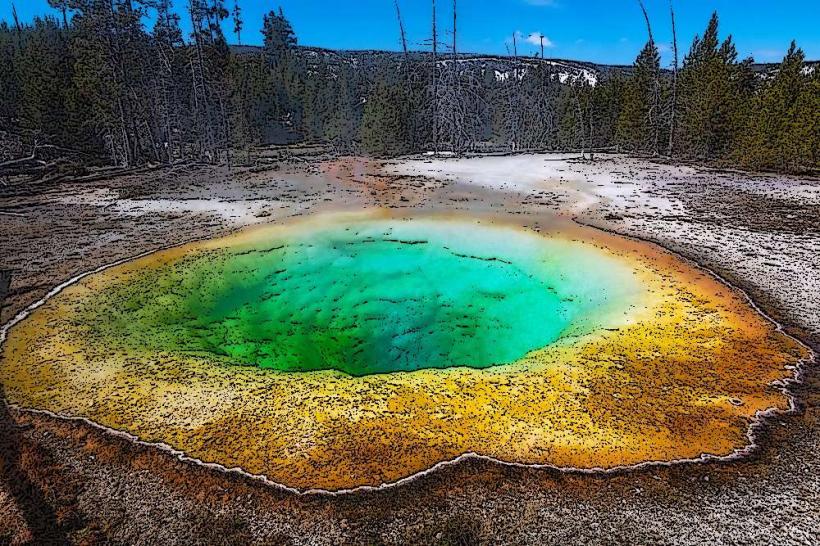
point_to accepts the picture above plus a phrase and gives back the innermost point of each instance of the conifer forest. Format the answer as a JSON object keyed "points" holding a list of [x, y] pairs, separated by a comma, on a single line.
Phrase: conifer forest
{"points": [[119, 83]]}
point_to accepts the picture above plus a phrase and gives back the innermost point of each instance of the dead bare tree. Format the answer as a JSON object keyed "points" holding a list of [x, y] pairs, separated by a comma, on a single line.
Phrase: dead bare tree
{"points": [[656, 86], [648, 23], [514, 114], [580, 113], [462, 104], [673, 112], [455, 28], [17, 25], [408, 79], [402, 32], [435, 81], [30, 158], [199, 78], [167, 37], [455, 99]]}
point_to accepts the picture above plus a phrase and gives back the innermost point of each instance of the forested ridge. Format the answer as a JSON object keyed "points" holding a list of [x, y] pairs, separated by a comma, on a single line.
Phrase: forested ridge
{"points": [[116, 82]]}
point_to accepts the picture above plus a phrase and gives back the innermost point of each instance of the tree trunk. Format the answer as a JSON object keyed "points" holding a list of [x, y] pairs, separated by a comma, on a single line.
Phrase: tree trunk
{"points": [[435, 82], [673, 113], [580, 118], [455, 99], [17, 26], [656, 92], [407, 78]]}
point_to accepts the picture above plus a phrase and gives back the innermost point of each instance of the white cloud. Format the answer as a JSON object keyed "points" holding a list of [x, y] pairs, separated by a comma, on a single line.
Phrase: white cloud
{"points": [[535, 39]]}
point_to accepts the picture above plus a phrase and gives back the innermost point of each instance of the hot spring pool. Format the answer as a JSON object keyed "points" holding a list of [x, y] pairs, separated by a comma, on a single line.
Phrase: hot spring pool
{"points": [[345, 350], [374, 297]]}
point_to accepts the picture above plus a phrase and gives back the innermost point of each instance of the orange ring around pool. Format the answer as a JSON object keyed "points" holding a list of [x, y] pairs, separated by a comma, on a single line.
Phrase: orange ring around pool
{"points": [[679, 374]]}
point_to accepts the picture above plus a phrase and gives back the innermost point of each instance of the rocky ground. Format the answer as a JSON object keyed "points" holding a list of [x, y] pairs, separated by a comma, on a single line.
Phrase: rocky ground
{"points": [[67, 482]]}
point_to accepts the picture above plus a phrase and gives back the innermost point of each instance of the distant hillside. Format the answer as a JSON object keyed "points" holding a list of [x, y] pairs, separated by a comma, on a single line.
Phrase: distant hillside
{"points": [[504, 67]]}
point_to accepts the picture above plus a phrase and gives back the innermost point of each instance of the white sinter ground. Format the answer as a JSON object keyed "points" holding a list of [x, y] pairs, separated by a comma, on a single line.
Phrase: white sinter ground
{"points": [[702, 214]]}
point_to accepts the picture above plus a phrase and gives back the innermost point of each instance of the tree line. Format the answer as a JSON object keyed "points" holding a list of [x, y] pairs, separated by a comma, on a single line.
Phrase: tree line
{"points": [[717, 109], [95, 82]]}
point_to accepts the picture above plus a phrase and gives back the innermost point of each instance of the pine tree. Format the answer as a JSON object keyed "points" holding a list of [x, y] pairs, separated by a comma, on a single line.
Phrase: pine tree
{"points": [[639, 121], [237, 21], [783, 129], [288, 77], [385, 130], [807, 123], [114, 74], [40, 65], [96, 78], [713, 90], [607, 97], [168, 44], [209, 63], [248, 84], [342, 127], [278, 34], [9, 83]]}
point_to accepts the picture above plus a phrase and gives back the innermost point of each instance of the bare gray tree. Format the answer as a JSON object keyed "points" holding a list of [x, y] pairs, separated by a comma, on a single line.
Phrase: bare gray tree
{"points": [[402, 32], [408, 77], [674, 106], [435, 81], [462, 105], [654, 110]]}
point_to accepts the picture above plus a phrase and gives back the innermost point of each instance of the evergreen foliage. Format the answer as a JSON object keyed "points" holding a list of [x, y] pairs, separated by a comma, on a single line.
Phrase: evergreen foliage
{"points": [[714, 89], [385, 124], [782, 129], [639, 122], [95, 80], [279, 35]]}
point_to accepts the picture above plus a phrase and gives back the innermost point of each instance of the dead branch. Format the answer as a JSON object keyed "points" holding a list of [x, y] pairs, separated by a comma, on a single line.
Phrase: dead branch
{"points": [[673, 112]]}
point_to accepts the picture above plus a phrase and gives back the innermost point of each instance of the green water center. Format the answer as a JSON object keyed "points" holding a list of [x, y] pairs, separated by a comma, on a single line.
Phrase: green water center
{"points": [[367, 297]]}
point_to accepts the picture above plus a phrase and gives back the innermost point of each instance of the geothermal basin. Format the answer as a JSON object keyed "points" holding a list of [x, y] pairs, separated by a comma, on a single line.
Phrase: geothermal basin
{"points": [[349, 350]]}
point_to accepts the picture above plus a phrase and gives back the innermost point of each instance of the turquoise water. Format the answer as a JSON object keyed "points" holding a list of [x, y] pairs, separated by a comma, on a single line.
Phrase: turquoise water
{"points": [[371, 297]]}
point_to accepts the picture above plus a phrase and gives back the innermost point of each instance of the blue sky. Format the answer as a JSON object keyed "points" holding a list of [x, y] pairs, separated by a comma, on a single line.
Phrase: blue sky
{"points": [[593, 30]]}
